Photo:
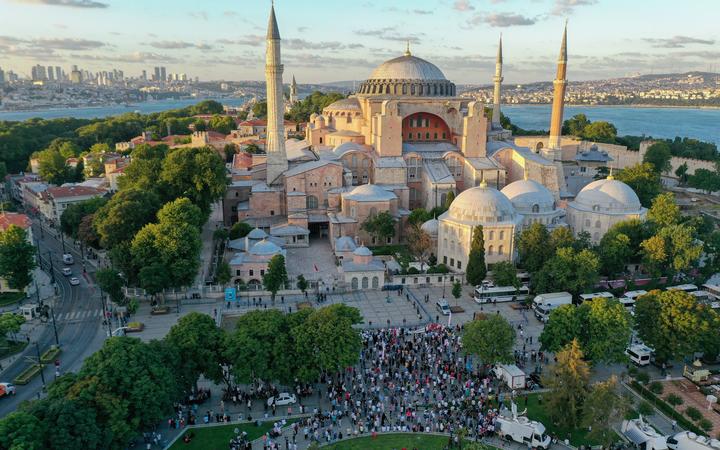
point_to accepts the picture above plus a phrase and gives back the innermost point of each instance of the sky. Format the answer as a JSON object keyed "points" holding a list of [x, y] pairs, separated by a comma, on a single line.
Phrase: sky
{"points": [[339, 40]]}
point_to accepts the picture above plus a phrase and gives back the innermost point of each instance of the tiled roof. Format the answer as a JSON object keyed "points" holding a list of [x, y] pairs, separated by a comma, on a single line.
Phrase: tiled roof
{"points": [[11, 218], [73, 191]]}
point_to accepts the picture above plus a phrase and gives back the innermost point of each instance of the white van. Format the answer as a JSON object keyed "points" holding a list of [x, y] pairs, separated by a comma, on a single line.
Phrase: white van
{"points": [[687, 440], [639, 354], [443, 306], [68, 258], [544, 304], [521, 429]]}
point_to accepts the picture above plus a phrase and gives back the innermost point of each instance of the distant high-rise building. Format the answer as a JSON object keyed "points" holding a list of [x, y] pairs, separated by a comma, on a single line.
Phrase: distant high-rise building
{"points": [[2, 76], [58, 73], [144, 75], [38, 73], [163, 74], [50, 74], [75, 75], [156, 76]]}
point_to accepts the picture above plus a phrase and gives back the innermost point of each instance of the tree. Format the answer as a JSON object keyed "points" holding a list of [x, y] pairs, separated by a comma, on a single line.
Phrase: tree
{"points": [[659, 155], [314, 103], [381, 226], [449, 199], [567, 382], [568, 270], [206, 107], [10, 324], [196, 173], [681, 173], [505, 274], [476, 269], [562, 237], [600, 131], [664, 211], [602, 327], [706, 180], [456, 290], [420, 243], [223, 274], [575, 126], [20, 430], [603, 408], [275, 277], [259, 109], [418, 216], [491, 339], [17, 258], [615, 251], [302, 283], [240, 230], [200, 344], [52, 167], [671, 250], [144, 169], [74, 214], [179, 211], [124, 215], [222, 124], [533, 248], [643, 179], [673, 323], [111, 283], [326, 341]]}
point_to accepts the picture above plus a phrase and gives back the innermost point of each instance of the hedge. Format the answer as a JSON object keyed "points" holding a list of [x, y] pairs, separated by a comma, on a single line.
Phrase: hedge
{"points": [[665, 408], [28, 374], [50, 355]]}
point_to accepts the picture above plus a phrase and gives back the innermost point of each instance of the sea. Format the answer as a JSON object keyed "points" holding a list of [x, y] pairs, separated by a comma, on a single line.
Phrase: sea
{"points": [[698, 123]]}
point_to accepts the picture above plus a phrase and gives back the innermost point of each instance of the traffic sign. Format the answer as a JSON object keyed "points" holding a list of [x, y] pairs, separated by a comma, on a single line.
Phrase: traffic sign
{"points": [[230, 294]]}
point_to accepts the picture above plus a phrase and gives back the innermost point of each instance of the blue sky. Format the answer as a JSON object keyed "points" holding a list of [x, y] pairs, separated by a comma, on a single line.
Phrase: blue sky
{"points": [[344, 40]]}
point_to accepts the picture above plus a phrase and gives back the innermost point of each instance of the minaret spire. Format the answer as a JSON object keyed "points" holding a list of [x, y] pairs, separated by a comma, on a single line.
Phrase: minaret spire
{"points": [[293, 91], [498, 79], [407, 49], [277, 162], [560, 85]]}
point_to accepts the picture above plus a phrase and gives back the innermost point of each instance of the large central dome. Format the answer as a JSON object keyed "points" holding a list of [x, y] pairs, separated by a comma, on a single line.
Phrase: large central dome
{"points": [[407, 67], [407, 76]]}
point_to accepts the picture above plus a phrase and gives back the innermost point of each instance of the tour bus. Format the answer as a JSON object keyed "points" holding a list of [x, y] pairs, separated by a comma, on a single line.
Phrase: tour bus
{"points": [[500, 294], [589, 297], [689, 288], [639, 354], [629, 298]]}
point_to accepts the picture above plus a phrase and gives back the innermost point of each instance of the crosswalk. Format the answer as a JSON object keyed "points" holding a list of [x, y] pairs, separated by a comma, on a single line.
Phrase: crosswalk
{"points": [[79, 315]]}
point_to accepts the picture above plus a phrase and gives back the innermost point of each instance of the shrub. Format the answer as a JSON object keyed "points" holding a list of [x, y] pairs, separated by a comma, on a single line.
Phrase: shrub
{"points": [[133, 306], [642, 377], [413, 271], [693, 413], [646, 409], [656, 387], [632, 371], [705, 424], [440, 268], [674, 399]]}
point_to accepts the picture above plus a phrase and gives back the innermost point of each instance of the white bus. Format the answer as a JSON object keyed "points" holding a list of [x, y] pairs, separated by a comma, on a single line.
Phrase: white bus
{"points": [[683, 287], [500, 294], [629, 298], [589, 297], [713, 290]]}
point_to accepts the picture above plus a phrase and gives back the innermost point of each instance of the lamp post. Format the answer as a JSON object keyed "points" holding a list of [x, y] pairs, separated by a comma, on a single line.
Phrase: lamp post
{"points": [[42, 374], [52, 313], [62, 240]]}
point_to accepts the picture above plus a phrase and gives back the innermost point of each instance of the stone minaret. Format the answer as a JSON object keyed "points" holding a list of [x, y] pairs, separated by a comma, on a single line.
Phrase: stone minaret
{"points": [[496, 94], [560, 84], [275, 146], [293, 92]]}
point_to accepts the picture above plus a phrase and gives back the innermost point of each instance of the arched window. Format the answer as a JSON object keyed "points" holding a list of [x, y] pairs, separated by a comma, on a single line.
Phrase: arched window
{"points": [[536, 208], [365, 282], [490, 250], [404, 89], [354, 283], [500, 250], [502, 235], [492, 235], [375, 282], [597, 224], [443, 198], [312, 202]]}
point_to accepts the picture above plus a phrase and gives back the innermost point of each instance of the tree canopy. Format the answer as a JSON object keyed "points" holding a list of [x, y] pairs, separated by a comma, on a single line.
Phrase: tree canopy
{"points": [[276, 276], [568, 381], [380, 225], [490, 339], [17, 257], [643, 179], [569, 270], [476, 268], [659, 155]]}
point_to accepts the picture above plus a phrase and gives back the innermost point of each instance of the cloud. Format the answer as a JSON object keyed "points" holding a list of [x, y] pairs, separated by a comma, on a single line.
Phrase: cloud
{"points": [[302, 44], [422, 12], [390, 34], [302, 29], [136, 57], [677, 41], [566, 7], [69, 3], [463, 5], [171, 45], [502, 20], [202, 15], [66, 44], [251, 40]]}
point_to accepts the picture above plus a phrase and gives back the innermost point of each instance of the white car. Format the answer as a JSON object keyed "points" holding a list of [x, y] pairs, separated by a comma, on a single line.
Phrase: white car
{"points": [[443, 306], [74, 281], [66, 271], [68, 258], [282, 399]]}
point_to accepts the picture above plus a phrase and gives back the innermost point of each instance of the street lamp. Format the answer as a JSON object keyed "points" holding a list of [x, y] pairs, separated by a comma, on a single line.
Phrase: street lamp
{"points": [[52, 313], [42, 374]]}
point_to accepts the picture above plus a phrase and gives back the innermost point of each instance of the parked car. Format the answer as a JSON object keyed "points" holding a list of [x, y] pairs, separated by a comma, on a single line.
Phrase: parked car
{"points": [[74, 281], [282, 399], [66, 271], [443, 306]]}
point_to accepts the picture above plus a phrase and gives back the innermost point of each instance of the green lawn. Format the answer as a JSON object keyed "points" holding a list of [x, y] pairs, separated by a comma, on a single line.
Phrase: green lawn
{"points": [[8, 298], [12, 347], [536, 411], [218, 437], [395, 442]]}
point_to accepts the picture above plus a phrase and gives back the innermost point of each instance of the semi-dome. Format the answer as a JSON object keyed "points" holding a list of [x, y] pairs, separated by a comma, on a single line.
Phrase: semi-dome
{"points": [[370, 193], [482, 205], [608, 195], [265, 248], [431, 227], [345, 104], [362, 251], [257, 233], [347, 147], [529, 196], [407, 75]]}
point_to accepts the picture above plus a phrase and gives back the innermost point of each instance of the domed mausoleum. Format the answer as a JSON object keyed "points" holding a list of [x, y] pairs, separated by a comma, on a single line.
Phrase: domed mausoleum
{"points": [[600, 205], [535, 202], [484, 206]]}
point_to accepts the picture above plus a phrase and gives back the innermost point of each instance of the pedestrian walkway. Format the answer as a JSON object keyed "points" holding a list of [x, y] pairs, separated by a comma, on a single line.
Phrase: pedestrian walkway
{"points": [[78, 315]]}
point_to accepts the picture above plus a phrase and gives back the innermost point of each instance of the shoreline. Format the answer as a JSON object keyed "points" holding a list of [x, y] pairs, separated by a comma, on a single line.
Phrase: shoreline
{"points": [[639, 106]]}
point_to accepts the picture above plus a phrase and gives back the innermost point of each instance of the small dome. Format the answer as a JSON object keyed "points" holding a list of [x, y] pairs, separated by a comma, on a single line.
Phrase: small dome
{"points": [[482, 205], [525, 194], [347, 147], [431, 227], [265, 248], [407, 67], [257, 233], [362, 251], [345, 104], [370, 193], [608, 195]]}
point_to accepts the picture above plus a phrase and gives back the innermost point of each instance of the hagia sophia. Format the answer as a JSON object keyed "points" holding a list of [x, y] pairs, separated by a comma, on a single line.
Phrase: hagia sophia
{"points": [[406, 140]]}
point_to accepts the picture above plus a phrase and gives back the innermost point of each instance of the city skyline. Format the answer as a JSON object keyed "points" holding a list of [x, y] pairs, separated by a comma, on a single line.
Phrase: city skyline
{"points": [[226, 43]]}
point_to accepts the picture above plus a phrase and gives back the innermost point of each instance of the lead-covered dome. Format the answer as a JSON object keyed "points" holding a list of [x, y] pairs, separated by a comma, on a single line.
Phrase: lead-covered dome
{"points": [[370, 193], [482, 205], [608, 195], [528, 196], [431, 227], [405, 76], [265, 248]]}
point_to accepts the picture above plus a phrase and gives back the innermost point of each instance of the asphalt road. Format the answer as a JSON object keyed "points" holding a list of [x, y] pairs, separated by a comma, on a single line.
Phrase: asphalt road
{"points": [[78, 314]]}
